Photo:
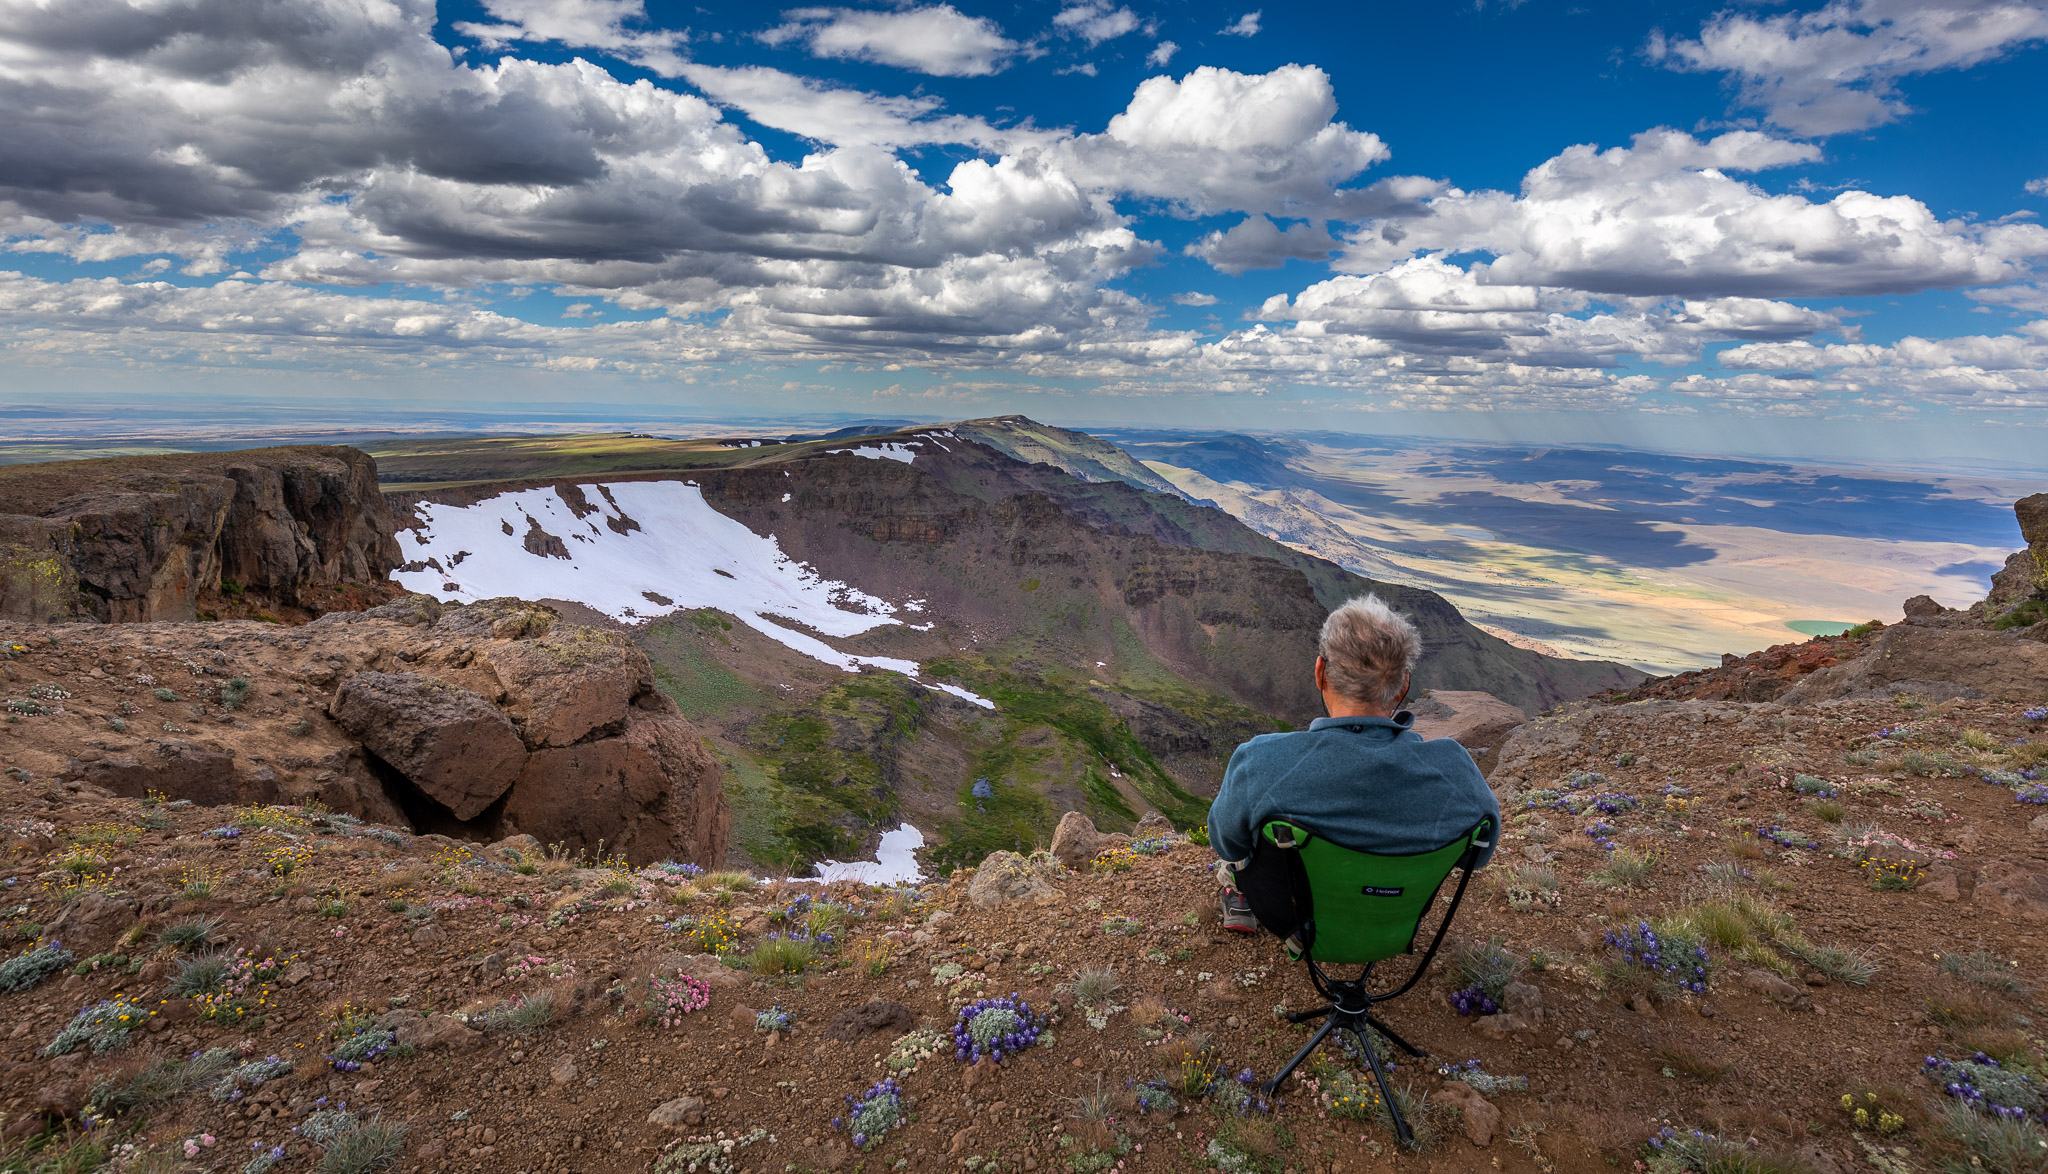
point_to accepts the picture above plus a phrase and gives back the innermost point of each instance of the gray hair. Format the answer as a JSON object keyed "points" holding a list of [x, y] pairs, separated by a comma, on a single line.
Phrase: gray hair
{"points": [[1368, 649]]}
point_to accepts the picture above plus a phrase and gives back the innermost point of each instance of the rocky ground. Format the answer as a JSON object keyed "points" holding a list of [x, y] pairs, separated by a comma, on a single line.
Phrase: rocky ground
{"points": [[479, 722], [1867, 880]]}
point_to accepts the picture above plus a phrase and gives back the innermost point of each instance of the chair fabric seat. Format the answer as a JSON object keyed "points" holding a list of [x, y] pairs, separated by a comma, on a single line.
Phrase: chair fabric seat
{"points": [[1360, 906]]}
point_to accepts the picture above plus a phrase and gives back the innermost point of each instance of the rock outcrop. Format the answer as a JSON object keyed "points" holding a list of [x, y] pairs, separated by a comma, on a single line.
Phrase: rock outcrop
{"points": [[483, 722], [2025, 575], [133, 539], [1938, 663]]}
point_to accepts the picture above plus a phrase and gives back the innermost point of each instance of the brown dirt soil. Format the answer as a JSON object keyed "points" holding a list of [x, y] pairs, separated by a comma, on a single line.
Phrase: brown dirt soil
{"points": [[1611, 1060]]}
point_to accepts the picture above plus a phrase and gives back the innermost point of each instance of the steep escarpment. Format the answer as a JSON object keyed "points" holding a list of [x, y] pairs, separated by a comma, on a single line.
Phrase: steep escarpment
{"points": [[298, 530], [477, 722]]}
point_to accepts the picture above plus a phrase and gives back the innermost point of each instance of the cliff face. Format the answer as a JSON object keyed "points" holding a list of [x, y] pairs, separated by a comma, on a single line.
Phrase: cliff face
{"points": [[152, 538]]}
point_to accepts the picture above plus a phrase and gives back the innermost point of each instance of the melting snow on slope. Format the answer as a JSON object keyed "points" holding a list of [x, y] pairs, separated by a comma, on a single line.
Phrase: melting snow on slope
{"points": [[895, 861], [964, 695], [684, 551], [876, 452]]}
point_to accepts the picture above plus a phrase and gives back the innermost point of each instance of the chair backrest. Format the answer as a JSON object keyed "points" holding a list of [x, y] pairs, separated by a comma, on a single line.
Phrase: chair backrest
{"points": [[1337, 904]]}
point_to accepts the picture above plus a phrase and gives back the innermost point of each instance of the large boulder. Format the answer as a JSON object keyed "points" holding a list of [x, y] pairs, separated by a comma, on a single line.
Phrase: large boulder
{"points": [[1006, 878], [569, 682], [448, 741], [649, 792], [1076, 842]]}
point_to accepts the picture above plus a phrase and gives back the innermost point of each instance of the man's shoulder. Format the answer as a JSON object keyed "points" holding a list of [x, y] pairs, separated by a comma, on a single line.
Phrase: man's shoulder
{"points": [[1261, 744]]}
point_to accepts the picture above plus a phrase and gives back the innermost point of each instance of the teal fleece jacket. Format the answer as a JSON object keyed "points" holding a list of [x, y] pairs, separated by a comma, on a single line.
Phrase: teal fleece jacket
{"points": [[1368, 783]]}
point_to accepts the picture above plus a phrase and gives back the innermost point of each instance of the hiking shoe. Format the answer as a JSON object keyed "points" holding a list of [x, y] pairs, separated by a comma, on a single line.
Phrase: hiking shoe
{"points": [[1237, 913]]}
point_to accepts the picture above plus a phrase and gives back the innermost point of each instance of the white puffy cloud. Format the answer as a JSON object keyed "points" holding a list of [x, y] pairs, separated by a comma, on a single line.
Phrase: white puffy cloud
{"points": [[846, 117], [582, 24], [1095, 21], [1427, 305], [345, 146], [1663, 217], [2025, 299], [2038, 187], [2008, 371], [345, 124], [937, 39], [1161, 53], [1217, 140], [1837, 69], [1258, 243], [1244, 26]]}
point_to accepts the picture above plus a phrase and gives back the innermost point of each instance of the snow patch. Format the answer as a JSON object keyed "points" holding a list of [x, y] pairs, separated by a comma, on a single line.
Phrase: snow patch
{"points": [[963, 695], [683, 550], [895, 861], [876, 452]]}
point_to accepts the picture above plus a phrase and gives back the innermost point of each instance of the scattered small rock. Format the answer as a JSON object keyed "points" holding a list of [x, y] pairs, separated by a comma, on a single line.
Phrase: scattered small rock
{"points": [[1477, 1117], [678, 1114]]}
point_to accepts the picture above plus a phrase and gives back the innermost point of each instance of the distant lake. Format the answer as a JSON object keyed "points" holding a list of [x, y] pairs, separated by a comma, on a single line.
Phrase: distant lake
{"points": [[1818, 627]]}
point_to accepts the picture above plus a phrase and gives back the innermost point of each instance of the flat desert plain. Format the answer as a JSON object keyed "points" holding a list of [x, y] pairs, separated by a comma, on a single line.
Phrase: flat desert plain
{"points": [[1660, 561]]}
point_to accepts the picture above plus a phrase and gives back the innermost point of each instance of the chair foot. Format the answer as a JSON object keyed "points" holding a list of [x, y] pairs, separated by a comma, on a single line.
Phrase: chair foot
{"points": [[1304, 1016], [1379, 1075], [1315, 1041]]}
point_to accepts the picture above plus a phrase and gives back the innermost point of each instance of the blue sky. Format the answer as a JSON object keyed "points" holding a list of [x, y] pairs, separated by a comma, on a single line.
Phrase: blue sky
{"points": [[1767, 228]]}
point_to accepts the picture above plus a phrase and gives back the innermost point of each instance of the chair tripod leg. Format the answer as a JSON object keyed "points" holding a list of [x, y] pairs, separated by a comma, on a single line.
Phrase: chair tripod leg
{"points": [[1305, 1016], [1379, 1074], [1321, 1034], [1396, 1040]]}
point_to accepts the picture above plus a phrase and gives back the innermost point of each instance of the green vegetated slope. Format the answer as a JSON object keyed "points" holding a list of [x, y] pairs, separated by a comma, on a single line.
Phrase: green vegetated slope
{"points": [[1130, 640]]}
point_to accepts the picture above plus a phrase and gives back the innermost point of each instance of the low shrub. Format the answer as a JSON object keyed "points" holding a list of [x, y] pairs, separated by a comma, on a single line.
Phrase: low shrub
{"points": [[102, 1027], [994, 1028], [874, 1113], [35, 964]]}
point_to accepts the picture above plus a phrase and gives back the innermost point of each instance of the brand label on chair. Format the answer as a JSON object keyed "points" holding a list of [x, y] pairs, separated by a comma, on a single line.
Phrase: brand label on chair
{"points": [[1377, 891]]}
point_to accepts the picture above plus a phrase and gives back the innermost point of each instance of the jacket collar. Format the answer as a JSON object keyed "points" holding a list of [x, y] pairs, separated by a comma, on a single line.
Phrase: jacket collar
{"points": [[1358, 725]]}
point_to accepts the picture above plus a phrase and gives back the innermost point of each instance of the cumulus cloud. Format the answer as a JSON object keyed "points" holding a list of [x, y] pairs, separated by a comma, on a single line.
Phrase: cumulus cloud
{"points": [[1217, 140], [1430, 306], [1979, 371], [1663, 217], [938, 39], [1837, 69], [535, 173], [1095, 21], [1161, 53], [582, 24], [846, 117], [2038, 187], [1244, 26], [2025, 299], [1258, 243], [341, 144]]}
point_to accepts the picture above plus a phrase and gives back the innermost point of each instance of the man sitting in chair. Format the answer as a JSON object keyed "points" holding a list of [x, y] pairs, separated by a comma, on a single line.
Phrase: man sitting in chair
{"points": [[1360, 776]]}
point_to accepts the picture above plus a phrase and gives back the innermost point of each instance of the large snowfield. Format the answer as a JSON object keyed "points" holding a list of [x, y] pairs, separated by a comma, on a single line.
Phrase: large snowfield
{"points": [[684, 552]]}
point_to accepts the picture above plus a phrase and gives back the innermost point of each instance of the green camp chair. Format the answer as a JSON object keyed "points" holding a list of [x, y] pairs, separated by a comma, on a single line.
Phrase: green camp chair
{"points": [[1332, 904]]}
